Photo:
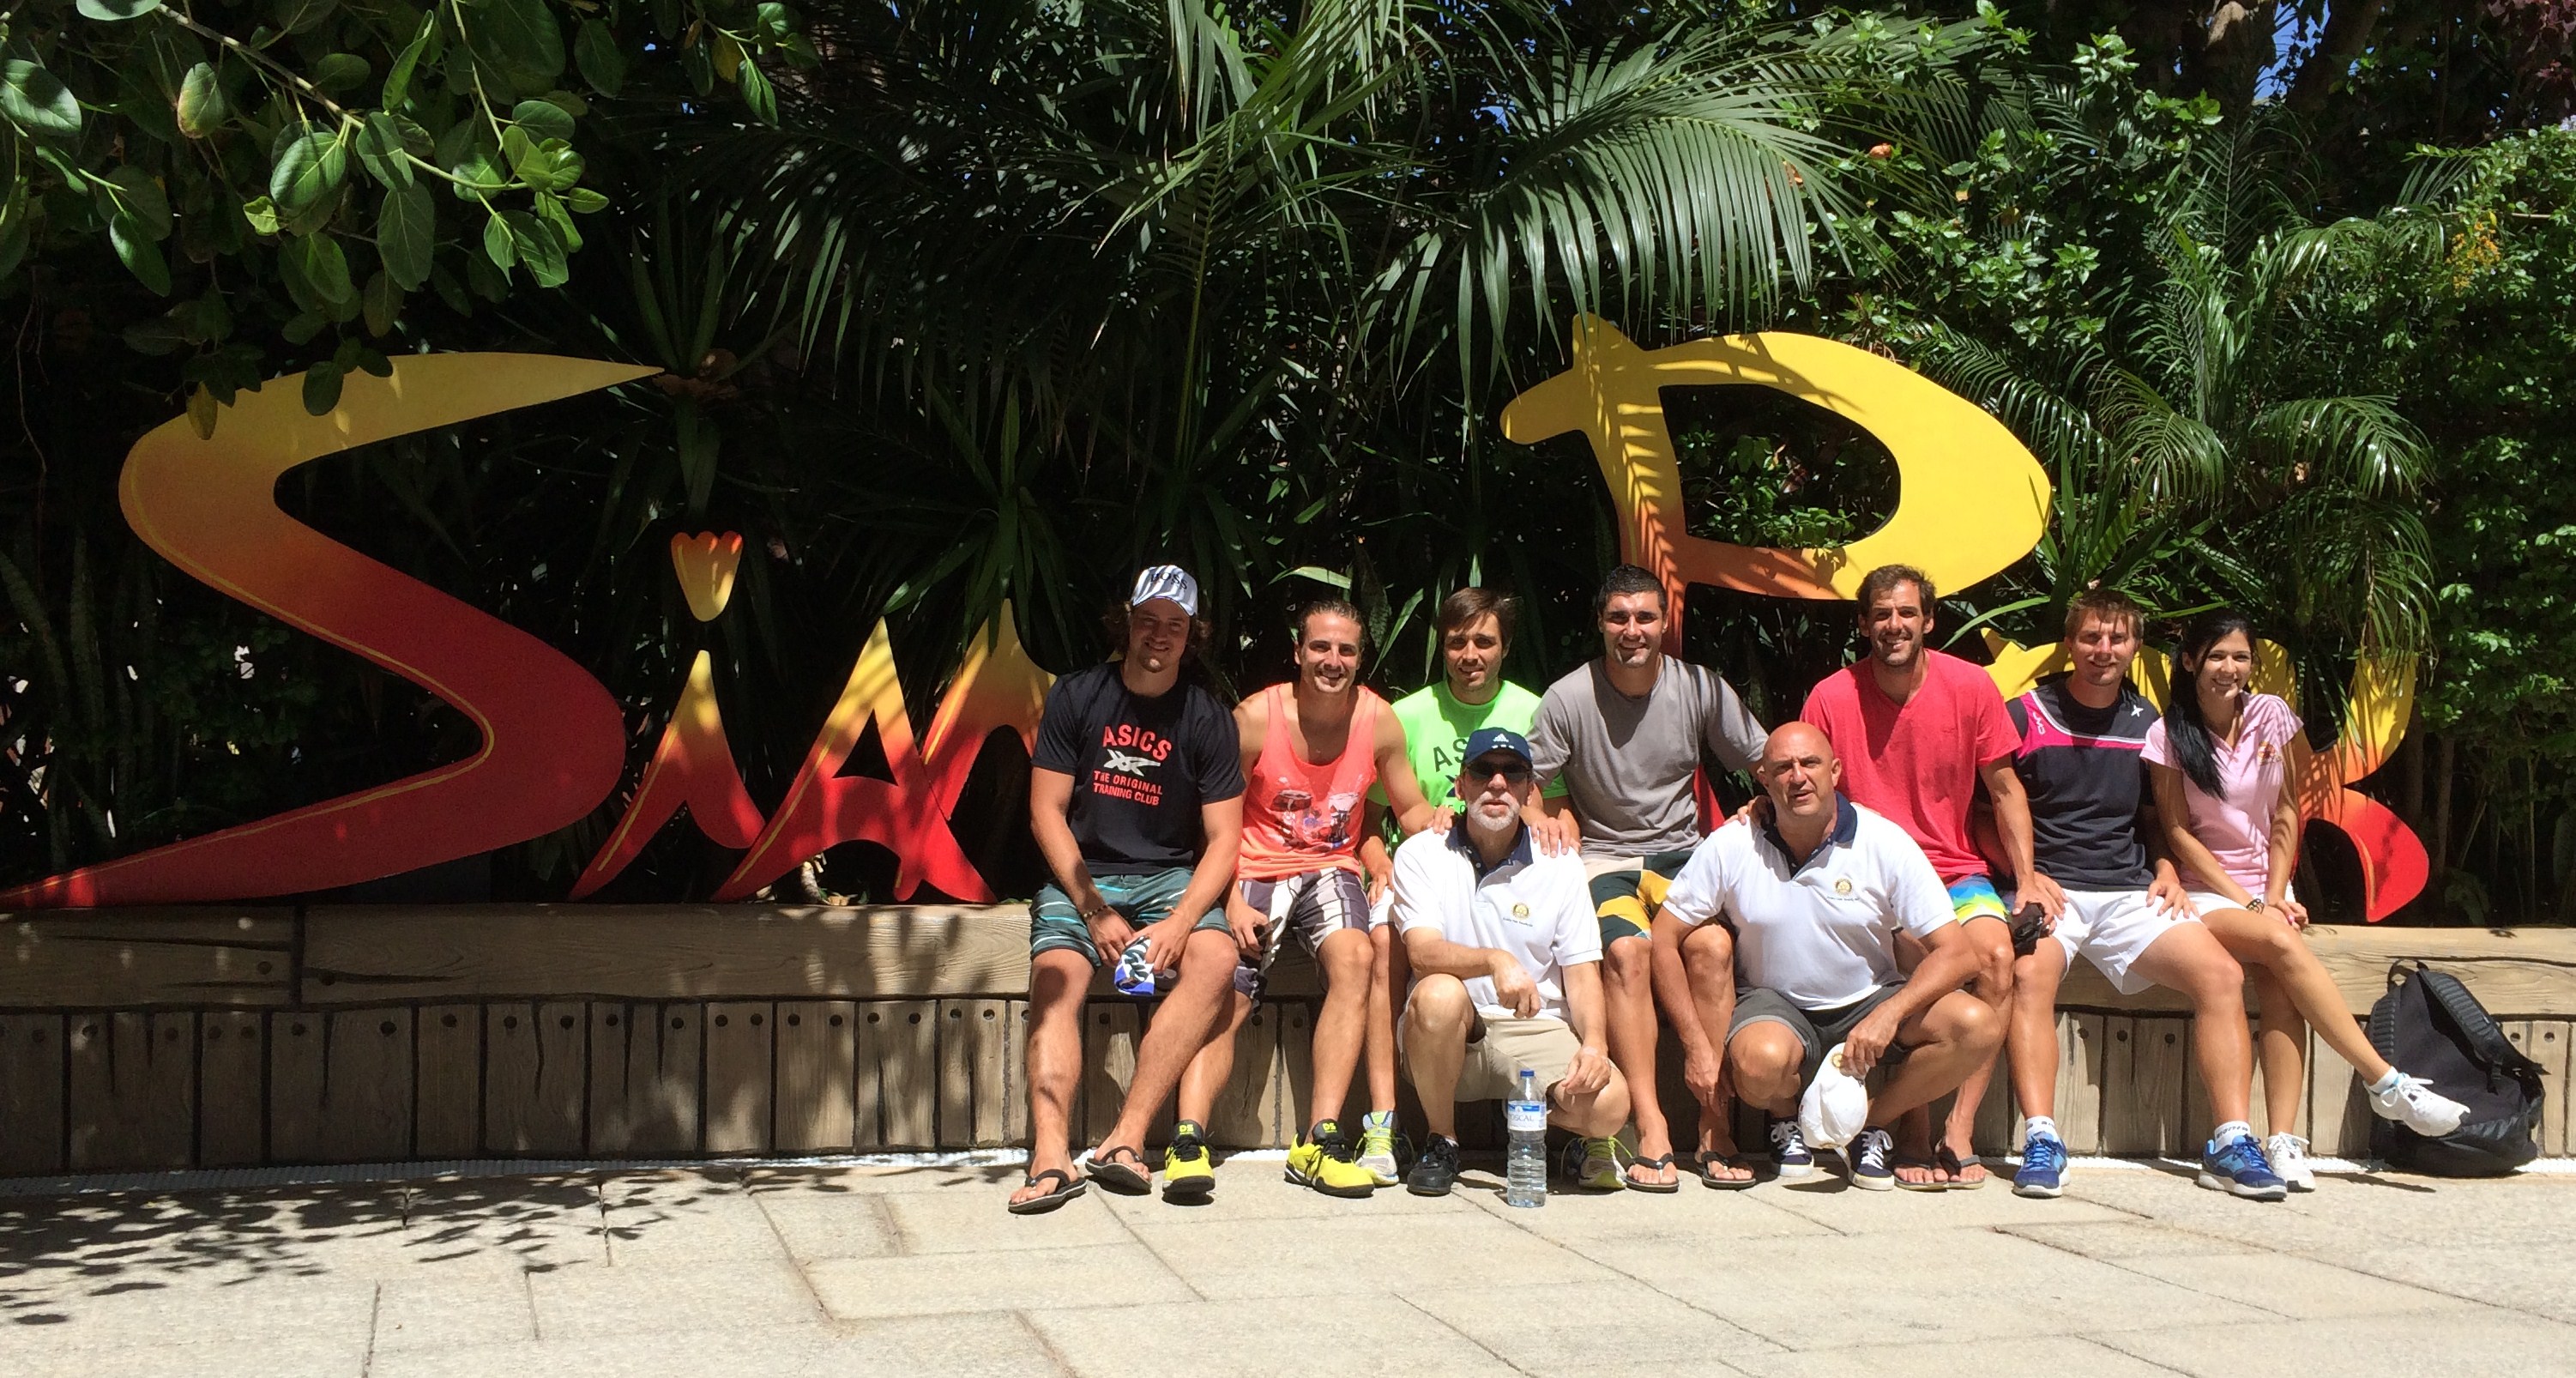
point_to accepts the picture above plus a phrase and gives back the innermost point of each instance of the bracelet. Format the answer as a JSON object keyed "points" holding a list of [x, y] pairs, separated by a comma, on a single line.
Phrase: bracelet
{"points": [[2257, 905], [1095, 911]]}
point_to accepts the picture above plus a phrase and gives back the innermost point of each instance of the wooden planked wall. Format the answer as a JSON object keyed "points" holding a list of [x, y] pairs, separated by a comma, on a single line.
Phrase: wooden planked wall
{"points": [[223, 1038]]}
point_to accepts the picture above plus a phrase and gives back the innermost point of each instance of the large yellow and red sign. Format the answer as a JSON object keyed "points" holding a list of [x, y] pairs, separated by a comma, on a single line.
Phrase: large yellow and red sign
{"points": [[553, 747]]}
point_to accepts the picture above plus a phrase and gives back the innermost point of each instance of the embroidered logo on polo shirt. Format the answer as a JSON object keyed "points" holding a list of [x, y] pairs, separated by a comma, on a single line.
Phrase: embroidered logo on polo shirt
{"points": [[1842, 886], [1520, 911]]}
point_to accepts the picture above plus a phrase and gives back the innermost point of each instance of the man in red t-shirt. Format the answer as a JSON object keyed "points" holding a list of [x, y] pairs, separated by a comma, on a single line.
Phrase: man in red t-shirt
{"points": [[1917, 730]]}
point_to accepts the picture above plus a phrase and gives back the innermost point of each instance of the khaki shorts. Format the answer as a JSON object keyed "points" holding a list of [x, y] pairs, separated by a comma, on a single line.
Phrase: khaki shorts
{"points": [[1497, 1050]]}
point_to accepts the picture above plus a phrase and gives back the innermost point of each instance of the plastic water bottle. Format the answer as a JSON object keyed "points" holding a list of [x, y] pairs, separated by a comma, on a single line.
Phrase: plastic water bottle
{"points": [[1525, 1115]]}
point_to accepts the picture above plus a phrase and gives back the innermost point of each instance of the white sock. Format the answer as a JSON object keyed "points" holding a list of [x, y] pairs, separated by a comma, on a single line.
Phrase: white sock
{"points": [[2231, 1131], [2038, 1127], [2385, 1084]]}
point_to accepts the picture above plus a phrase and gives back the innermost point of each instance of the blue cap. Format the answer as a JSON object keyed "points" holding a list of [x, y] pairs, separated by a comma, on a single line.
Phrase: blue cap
{"points": [[1485, 739]]}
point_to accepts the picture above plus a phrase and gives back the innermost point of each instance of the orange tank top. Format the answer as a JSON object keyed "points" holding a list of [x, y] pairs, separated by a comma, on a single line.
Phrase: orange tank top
{"points": [[1303, 817]]}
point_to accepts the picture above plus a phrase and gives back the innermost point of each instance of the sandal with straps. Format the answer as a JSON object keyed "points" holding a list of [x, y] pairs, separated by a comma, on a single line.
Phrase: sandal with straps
{"points": [[1065, 1189], [1660, 1160], [1714, 1182], [1113, 1175]]}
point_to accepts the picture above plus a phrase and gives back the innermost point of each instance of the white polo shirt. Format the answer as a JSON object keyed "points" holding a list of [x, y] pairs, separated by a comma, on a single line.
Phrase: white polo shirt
{"points": [[1537, 908], [1822, 933]]}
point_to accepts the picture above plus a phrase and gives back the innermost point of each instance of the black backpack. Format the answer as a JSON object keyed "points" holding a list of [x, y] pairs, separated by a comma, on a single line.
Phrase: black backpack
{"points": [[2430, 1025]]}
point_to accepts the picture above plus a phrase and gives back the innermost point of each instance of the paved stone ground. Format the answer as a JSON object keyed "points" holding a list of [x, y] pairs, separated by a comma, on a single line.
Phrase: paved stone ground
{"points": [[856, 1270]]}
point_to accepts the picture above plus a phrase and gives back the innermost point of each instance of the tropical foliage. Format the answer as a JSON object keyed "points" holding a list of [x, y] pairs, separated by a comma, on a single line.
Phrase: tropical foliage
{"points": [[970, 305]]}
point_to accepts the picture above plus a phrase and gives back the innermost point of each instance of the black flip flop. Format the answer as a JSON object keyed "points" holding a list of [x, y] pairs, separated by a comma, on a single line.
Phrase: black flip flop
{"points": [[1113, 1175], [1660, 1160], [1904, 1161], [1952, 1164], [1066, 1189], [1716, 1183]]}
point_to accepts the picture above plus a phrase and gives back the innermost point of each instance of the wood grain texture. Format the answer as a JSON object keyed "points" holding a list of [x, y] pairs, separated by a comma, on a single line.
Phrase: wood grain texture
{"points": [[2197, 1120], [1015, 1116], [975, 1081], [2338, 1112], [232, 1089], [663, 952], [817, 1077], [133, 1090], [2142, 1102], [2551, 1043], [339, 1086], [447, 1082], [535, 1070], [1246, 1113], [739, 1062], [898, 1074], [646, 1061], [1111, 1029], [31, 1094], [127, 958], [2081, 1069]]}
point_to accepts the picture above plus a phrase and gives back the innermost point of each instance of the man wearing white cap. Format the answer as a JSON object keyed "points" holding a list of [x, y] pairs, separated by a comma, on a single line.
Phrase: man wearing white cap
{"points": [[1816, 898], [1136, 799]]}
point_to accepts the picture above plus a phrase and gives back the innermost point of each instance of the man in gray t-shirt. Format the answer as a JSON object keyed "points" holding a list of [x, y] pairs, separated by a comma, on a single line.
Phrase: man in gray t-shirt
{"points": [[1625, 733]]}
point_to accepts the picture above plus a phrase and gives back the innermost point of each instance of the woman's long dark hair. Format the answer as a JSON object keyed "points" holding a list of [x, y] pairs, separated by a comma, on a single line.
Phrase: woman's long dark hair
{"points": [[2186, 732]]}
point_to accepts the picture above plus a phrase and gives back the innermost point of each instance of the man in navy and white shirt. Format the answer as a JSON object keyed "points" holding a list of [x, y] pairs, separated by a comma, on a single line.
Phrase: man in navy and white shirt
{"points": [[1506, 960], [1816, 898]]}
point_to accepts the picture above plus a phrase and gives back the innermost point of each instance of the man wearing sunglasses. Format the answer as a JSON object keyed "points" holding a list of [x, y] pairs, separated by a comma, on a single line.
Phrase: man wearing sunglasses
{"points": [[1507, 959], [1625, 734]]}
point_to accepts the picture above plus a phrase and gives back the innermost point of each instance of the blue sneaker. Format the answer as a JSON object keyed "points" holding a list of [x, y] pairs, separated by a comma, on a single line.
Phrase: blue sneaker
{"points": [[2239, 1168], [1789, 1151], [2043, 1167]]}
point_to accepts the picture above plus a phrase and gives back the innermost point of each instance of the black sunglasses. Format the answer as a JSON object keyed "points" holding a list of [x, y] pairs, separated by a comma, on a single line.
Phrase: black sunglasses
{"points": [[1513, 769]]}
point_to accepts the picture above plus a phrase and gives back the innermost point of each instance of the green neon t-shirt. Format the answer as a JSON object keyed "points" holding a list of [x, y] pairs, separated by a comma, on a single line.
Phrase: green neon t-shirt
{"points": [[1436, 728]]}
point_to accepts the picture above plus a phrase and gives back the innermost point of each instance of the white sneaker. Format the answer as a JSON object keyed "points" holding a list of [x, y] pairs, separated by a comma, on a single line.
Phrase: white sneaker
{"points": [[2289, 1155], [2413, 1104]]}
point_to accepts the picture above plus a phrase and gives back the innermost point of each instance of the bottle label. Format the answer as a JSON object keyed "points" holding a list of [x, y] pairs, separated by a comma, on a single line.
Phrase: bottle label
{"points": [[1529, 1115]]}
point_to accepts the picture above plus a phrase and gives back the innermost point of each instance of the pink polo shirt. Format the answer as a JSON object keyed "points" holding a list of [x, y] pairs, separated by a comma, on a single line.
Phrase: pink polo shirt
{"points": [[2236, 824]]}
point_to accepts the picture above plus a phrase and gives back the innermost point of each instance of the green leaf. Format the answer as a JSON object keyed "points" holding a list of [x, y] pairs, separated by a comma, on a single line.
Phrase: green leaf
{"points": [[520, 41], [594, 51], [302, 327], [478, 176], [341, 71], [201, 102], [322, 387], [381, 147], [756, 92], [139, 253], [398, 81], [406, 232], [497, 246], [550, 209], [135, 194], [114, 10], [307, 178], [538, 247], [374, 363], [382, 301], [261, 214], [542, 120], [316, 272], [550, 166], [36, 100], [584, 201]]}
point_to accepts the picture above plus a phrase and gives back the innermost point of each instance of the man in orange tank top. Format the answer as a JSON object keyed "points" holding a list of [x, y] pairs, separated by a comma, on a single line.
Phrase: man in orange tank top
{"points": [[1311, 750]]}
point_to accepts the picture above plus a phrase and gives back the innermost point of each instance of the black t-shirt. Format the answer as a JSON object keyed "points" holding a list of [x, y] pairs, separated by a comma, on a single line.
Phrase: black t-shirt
{"points": [[2085, 775], [1141, 768]]}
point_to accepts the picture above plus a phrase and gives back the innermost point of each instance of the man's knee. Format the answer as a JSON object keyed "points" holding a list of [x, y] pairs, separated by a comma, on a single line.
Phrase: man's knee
{"points": [[1440, 1005], [1628, 963], [1208, 960], [1970, 1023], [1058, 979], [1708, 950], [1765, 1053], [1345, 958]]}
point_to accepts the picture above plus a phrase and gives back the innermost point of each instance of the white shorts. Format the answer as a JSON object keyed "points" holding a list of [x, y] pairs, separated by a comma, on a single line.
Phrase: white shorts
{"points": [[2112, 929], [2209, 902]]}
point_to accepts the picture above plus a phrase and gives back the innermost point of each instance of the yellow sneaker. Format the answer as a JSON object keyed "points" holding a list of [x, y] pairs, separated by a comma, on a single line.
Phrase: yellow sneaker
{"points": [[1187, 1175], [1323, 1160], [1593, 1164]]}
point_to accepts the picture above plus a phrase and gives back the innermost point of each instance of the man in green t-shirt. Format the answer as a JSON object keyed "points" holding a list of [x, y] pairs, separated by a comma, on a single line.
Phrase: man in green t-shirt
{"points": [[1475, 627]]}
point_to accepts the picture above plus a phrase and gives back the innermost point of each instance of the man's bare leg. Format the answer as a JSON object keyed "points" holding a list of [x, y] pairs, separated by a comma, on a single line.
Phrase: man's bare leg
{"points": [[1389, 974], [1341, 1024], [1179, 1031], [1208, 1072], [1992, 938], [2190, 959], [2032, 1039], [1958, 1035], [1629, 991], [1437, 1021], [1057, 980], [1708, 958]]}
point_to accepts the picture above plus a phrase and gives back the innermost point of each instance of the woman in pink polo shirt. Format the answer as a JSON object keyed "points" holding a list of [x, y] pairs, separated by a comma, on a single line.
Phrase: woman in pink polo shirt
{"points": [[2220, 763]]}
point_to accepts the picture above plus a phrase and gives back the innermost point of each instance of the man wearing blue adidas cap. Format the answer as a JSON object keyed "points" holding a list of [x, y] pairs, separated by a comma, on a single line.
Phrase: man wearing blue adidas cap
{"points": [[1506, 958], [1136, 799]]}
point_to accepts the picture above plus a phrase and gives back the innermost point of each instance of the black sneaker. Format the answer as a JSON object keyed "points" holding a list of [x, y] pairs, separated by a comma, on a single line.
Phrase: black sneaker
{"points": [[1436, 1170]]}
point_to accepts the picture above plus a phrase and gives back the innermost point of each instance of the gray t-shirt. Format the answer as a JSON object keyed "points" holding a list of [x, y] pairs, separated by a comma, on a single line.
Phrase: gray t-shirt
{"points": [[1627, 762]]}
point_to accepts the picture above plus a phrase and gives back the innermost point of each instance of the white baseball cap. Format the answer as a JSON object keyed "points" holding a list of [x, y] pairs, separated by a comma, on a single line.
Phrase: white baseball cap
{"points": [[1166, 581], [1836, 1107]]}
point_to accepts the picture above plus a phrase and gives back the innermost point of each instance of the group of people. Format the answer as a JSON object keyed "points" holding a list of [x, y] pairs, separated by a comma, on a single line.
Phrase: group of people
{"points": [[1555, 887]]}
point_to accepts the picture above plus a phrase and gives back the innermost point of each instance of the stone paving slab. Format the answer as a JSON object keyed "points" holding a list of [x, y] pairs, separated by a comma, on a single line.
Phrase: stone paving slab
{"points": [[845, 1269]]}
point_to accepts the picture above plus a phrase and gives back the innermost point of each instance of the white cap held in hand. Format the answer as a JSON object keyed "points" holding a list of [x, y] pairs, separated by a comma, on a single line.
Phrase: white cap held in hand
{"points": [[1836, 1106]]}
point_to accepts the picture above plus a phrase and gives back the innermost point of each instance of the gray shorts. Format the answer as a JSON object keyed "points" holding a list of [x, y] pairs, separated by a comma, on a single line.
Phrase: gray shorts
{"points": [[1818, 1030], [1308, 907]]}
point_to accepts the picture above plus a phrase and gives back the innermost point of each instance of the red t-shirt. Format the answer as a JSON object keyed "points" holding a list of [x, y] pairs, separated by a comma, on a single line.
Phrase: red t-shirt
{"points": [[1918, 764]]}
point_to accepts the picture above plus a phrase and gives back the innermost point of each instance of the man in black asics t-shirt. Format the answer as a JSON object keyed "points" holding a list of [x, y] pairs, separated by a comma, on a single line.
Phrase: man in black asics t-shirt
{"points": [[1136, 798]]}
